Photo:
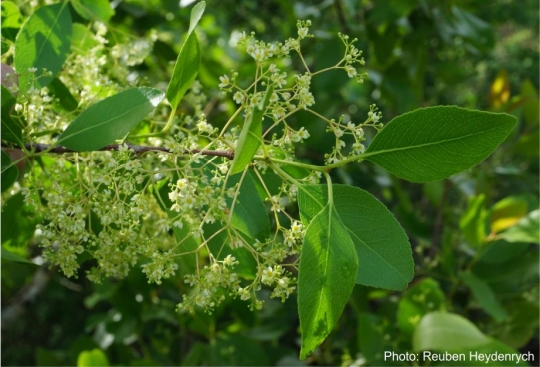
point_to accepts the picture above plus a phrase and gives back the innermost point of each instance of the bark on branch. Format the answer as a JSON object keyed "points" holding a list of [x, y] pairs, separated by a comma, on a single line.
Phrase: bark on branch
{"points": [[35, 147]]}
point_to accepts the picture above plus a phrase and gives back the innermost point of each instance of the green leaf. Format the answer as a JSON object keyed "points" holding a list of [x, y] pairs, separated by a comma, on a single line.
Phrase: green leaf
{"points": [[11, 20], [328, 263], [188, 61], [60, 91], [423, 297], [43, 42], [520, 325], [94, 9], [9, 172], [11, 15], [110, 119], [94, 357], [11, 131], [433, 143], [249, 216], [507, 212], [250, 138], [10, 256], [472, 223], [82, 39], [383, 250], [5, 47], [526, 230], [447, 332], [485, 296]]}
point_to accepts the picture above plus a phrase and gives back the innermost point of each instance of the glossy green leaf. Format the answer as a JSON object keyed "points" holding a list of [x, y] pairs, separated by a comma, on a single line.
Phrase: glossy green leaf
{"points": [[11, 131], [433, 143], [472, 223], [328, 265], [383, 250], [484, 295], [10, 256], [94, 9], [94, 357], [188, 61], [43, 42], [421, 298], [526, 230], [9, 172], [250, 138], [447, 332], [110, 119]]}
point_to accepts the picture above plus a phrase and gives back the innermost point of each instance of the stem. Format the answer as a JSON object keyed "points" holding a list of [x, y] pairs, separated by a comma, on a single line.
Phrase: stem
{"points": [[44, 148]]}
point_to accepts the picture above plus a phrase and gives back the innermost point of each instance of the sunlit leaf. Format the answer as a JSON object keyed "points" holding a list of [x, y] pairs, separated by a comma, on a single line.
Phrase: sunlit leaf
{"points": [[328, 264], [90, 358], [507, 212], [251, 135], [188, 61], [383, 250], [526, 230], [472, 222], [43, 42], [110, 119]]}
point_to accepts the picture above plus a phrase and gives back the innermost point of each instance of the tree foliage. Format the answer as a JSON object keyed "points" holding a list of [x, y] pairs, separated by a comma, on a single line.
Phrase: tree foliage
{"points": [[166, 183]]}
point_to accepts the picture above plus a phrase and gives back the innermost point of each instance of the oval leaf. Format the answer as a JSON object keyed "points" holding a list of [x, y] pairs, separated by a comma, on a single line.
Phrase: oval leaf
{"points": [[250, 138], [382, 247], [433, 143], [110, 119], [43, 42], [328, 263], [188, 61], [447, 332]]}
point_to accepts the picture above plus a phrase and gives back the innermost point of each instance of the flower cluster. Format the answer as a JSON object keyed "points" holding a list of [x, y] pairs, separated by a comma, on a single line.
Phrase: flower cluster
{"points": [[125, 208]]}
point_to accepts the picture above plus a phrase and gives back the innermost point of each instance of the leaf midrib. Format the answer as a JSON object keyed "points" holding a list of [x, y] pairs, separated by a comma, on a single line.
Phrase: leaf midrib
{"points": [[419, 146], [51, 29], [100, 124]]}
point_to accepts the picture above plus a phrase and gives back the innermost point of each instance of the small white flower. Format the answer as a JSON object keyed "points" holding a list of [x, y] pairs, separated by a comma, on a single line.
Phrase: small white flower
{"points": [[351, 71], [224, 81], [239, 97]]}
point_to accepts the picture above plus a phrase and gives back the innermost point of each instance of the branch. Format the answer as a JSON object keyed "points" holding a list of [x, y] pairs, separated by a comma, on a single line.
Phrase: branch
{"points": [[136, 148]]}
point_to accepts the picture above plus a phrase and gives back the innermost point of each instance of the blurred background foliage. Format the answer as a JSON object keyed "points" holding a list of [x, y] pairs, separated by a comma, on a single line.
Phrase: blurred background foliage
{"points": [[474, 236]]}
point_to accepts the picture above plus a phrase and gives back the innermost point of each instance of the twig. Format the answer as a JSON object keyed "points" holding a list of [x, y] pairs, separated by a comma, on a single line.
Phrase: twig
{"points": [[35, 147]]}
